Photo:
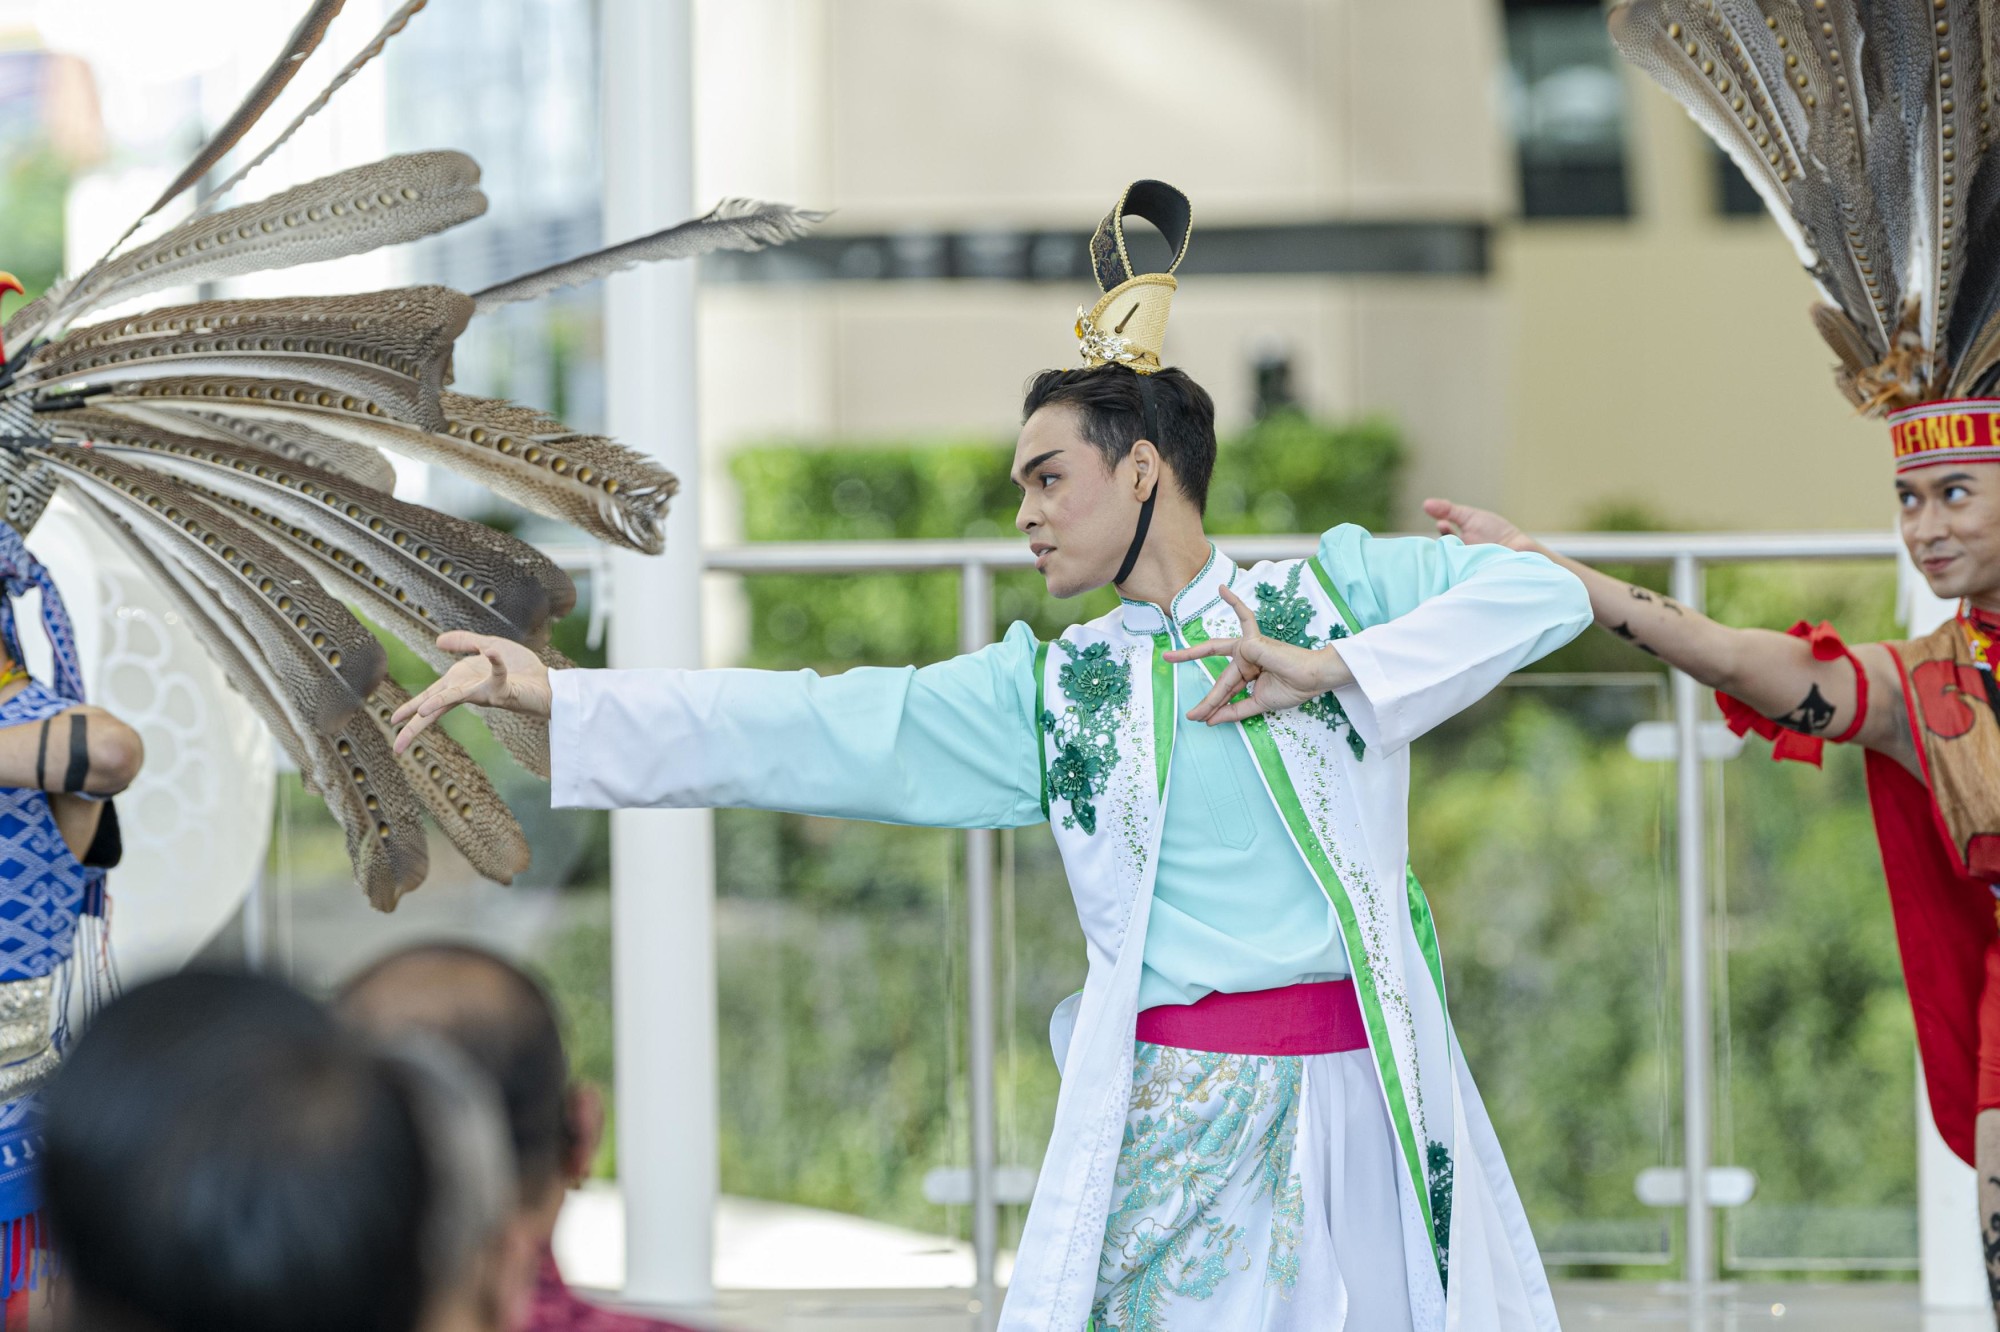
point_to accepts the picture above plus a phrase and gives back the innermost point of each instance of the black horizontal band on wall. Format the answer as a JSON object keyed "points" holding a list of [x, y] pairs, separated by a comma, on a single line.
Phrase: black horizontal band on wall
{"points": [[1419, 249]]}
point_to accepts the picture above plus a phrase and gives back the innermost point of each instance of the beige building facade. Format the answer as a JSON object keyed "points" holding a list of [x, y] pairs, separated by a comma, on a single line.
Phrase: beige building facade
{"points": [[1661, 359]]}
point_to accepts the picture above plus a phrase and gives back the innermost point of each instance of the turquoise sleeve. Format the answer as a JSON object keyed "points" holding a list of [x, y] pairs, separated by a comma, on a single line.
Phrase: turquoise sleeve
{"points": [[952, 745], [1384, 578]]}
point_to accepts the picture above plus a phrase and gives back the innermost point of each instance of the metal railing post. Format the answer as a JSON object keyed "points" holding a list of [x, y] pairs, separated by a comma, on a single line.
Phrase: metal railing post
{"points": [[1697, 1049], [975, 630]]}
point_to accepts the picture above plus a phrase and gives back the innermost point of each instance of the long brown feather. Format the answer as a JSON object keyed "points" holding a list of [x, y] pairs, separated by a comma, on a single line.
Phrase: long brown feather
{"points": [[609, 491], [287, 441], [1652, 35], [447, 572], [733, 224], [397, 22], [328, 662], [305, 39], [351, 767], [390, 202], [455, 793], [390, 349]]}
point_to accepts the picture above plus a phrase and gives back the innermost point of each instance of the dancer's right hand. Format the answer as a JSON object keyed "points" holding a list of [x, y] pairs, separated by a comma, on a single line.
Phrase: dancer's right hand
{"points": [[1476, 527], [498, 673]]}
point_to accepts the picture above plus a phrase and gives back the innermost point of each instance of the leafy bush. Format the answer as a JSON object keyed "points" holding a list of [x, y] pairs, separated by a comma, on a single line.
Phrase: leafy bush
{"points": [[1285, 474]]}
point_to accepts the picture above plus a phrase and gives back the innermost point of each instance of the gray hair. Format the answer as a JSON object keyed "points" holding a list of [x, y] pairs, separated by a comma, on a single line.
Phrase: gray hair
{"points": [[463, 1134]]}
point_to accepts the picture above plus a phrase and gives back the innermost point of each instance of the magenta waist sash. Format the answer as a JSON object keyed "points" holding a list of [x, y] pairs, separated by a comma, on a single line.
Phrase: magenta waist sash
{"points": [[1322, 1017]]}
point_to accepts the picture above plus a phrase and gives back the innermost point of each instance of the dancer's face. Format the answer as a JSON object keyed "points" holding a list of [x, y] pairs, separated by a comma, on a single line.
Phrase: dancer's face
{"points": [[1078, 514], [1951, 523]]}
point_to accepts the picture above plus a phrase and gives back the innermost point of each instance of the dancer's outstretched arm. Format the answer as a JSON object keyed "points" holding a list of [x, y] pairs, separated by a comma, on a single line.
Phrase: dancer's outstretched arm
{"points": [[1772, 672], [953, 744]]}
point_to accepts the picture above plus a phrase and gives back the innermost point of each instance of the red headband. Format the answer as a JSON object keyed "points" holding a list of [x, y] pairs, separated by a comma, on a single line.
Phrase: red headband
{"points": [[1954, 430]]}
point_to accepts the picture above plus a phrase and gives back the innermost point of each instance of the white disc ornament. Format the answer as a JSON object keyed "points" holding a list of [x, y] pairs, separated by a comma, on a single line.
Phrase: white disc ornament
{"points": [[197, 822]]}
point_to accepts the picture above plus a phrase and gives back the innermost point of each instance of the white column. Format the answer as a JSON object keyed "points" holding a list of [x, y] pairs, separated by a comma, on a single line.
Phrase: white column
{"points": [[1697, 1032], [1950, 1263], [662, 862]]}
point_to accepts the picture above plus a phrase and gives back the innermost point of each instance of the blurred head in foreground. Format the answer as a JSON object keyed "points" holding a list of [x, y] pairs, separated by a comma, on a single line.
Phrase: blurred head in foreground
{"points": [[221, 1157], [502, 1019]]}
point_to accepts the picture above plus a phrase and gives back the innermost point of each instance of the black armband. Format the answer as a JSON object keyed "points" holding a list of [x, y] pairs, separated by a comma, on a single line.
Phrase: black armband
{"points": [[78, 771]]}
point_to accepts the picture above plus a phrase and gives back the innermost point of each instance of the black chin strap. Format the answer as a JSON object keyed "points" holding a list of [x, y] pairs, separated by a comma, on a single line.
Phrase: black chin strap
{"points": [[1150, 422]]}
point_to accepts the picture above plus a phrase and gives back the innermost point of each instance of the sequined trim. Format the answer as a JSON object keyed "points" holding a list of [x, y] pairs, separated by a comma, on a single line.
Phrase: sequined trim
{"points": [[1206, 1190], [27, 1047], [1286, 615], [25, 1007], [1193, 583], [1098, 685]]}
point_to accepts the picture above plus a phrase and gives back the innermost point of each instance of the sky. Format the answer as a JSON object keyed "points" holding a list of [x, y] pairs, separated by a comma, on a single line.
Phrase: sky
{"points": [[154, 58]]}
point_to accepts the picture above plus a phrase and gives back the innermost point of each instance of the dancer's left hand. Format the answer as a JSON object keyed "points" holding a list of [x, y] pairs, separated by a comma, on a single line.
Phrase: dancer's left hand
{"points": [[1278, 675]]}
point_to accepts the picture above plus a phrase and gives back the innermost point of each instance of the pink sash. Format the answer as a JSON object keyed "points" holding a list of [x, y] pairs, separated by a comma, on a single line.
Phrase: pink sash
{"points": [[1318, 1018]]}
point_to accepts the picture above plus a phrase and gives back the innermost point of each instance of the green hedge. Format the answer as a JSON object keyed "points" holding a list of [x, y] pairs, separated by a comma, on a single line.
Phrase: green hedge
{"points": [[1285, 474]]}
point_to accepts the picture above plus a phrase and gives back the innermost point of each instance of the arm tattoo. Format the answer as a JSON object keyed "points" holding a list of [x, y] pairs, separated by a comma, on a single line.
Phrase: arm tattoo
{"points": [[1990, 1235], [1813, 714], [1644, 594], [1624, 631]]}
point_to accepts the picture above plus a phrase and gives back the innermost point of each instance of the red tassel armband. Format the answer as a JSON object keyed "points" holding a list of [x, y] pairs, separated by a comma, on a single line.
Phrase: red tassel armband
{"points": [[1787, 744]]}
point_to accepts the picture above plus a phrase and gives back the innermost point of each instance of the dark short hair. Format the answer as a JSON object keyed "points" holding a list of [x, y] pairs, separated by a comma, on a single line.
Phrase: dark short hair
{"points": [[221, 1157], [1111, 404], [500, 1018]]}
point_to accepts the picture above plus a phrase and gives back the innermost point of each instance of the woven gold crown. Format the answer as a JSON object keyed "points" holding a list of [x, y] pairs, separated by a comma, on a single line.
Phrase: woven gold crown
{"points": [[1128, 325]]}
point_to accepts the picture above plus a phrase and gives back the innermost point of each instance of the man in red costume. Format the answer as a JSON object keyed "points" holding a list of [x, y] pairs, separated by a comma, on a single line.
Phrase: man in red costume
{"points": [[1928, 713]]}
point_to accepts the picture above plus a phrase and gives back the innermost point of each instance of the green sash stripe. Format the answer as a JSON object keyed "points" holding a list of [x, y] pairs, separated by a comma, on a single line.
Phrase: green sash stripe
{"points": [[1041, 710], [1163, 708], [1420, 905], [1258, 732], [1333, 594], [1426, 931]]}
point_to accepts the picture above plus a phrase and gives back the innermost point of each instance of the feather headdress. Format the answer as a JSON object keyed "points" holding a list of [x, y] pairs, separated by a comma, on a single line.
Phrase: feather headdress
{"points": [[234, 448], [1868, 130]]}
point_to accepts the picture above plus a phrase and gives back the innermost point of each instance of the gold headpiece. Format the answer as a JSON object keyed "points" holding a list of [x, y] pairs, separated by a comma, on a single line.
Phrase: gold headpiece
{"points": [[1128, 325]]}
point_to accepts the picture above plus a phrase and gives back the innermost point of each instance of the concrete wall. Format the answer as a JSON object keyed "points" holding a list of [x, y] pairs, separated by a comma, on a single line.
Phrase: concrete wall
{"points": [[1668, 359]]}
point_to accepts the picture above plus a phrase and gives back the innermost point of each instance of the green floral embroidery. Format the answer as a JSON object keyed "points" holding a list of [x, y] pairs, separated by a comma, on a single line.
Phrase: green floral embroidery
{"points": [[1285, 614], [1098, 686], [1437, 1168], [1205, 1130]]}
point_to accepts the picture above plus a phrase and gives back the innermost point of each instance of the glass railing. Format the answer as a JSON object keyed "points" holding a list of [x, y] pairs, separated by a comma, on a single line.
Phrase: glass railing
{"points": [[1628, 1009]]}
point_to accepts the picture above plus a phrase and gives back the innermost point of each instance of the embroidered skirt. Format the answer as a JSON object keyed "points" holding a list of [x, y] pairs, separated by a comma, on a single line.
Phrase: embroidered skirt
{"points": [[1253, 1192]]}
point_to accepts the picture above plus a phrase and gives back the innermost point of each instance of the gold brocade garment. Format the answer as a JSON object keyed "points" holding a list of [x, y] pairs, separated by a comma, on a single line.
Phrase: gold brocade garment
{"points": [[1957, 735]]}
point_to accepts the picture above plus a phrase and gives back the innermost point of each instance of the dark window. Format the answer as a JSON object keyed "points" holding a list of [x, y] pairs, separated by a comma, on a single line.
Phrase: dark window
{"points": [[1272, 370], [1566, 98], [1734, 196]]}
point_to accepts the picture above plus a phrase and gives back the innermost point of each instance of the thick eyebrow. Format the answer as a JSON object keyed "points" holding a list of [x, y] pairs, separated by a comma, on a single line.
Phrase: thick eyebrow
{"points": [[1030, 465]]}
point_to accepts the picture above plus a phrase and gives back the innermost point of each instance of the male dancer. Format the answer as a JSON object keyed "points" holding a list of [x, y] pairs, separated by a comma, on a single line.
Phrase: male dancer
{"points": [[1926, 713], [1291, 1141]]}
